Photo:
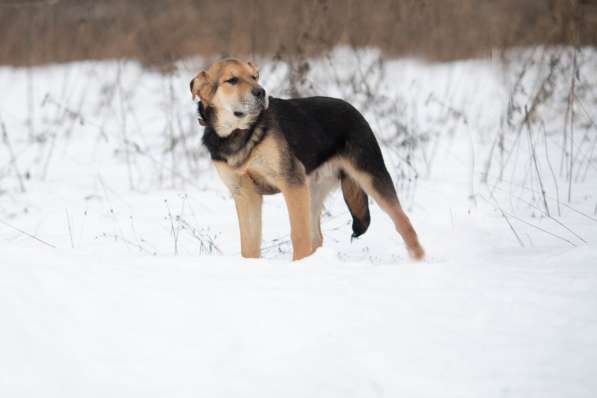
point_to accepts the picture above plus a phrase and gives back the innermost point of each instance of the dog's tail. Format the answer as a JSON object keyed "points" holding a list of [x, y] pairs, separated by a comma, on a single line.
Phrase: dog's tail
{"points": [[358, 203]]}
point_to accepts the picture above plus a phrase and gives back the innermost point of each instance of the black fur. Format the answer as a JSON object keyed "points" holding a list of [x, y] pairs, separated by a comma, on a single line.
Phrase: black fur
{"points": [[221, 147], [318, 128], [358, 205], [206, 115], [359, 227]]}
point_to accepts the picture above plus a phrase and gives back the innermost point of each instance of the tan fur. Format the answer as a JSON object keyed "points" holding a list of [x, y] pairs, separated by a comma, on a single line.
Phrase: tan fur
{"points": [[299, 211], [354, 196], [321, 182], [212, 89], [248, 209], [392, 208], [218, 73], [264, 163]]}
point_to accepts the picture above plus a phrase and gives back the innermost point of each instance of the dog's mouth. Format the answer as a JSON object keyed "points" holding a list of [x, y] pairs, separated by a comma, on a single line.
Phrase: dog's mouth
{"points": [[251, 109]]}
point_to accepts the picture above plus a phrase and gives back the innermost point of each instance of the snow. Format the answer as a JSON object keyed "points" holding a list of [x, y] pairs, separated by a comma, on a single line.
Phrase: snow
{"points": [[132, 284], [223, 327]]}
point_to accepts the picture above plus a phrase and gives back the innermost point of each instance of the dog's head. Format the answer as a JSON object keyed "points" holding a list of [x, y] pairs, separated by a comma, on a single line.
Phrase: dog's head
{"points": [[229, 92]]}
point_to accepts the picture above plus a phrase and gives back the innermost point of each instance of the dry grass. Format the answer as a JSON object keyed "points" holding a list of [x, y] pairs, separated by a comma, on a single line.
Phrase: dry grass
{"points": [[159, 31]]}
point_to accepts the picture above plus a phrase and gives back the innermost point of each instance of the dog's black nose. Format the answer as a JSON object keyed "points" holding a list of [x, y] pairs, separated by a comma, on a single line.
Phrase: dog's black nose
{"points": [[258, 92]]}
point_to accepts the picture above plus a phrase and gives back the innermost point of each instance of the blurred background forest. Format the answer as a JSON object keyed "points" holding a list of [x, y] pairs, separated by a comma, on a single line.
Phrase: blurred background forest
{"points": [[158, 32]]}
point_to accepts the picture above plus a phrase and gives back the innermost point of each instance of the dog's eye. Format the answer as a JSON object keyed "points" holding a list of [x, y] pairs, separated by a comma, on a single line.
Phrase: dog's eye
{"points": [[254, 77], [232, 80]]}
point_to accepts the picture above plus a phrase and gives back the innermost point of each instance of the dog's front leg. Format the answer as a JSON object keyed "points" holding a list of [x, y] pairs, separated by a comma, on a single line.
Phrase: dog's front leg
{"points": [[299, 211], [248, 209]]}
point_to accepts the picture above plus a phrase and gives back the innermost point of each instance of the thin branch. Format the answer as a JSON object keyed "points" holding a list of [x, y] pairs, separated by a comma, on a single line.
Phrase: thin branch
{"points": [[551, 170], [542, 230], [13, 158], [549, 217], [27, 234], [497, 206], [127, 242], [70, 229], [534, 159], [174, 230], [571, 102]]}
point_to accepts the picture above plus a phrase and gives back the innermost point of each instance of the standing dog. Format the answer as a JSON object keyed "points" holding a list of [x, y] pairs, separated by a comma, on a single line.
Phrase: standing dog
{"points": [[302, 147]]}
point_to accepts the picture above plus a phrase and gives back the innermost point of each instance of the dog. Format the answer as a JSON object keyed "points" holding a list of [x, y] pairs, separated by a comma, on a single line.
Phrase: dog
{"points": [[302, 147]]}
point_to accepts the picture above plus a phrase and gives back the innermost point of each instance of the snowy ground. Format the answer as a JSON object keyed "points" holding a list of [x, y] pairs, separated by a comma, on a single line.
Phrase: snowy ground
{"points": [[120, 272]]}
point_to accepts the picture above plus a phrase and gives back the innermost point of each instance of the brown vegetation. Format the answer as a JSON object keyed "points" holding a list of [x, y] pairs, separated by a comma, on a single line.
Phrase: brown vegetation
{"points": [[158, 31]]}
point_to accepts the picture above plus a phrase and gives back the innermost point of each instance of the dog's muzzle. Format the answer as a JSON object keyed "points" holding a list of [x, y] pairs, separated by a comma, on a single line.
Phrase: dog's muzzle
{"points": [[258, 92], [260, 96]]}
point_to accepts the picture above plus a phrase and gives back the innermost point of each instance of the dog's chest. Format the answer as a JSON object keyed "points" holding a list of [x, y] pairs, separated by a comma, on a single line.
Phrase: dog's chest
{"points": [[263, 166]]}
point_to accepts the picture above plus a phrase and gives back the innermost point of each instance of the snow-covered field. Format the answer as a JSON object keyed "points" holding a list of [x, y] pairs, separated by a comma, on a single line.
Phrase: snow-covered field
{"points": [[120, 272]]}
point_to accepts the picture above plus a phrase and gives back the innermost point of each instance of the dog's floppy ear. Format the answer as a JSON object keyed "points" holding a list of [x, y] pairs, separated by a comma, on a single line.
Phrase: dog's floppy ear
{"points": [[254, 69], [201, 86]]}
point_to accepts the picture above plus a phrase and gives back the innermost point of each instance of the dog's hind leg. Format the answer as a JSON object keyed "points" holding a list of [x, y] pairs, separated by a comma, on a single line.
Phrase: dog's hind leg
{"points": [[319, 188], [358, 204], [317, 199], [374, 178]]}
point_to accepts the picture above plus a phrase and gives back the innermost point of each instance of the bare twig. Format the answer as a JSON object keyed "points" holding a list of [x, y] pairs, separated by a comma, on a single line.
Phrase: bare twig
{"points": [[206, 241], [498, 207], [539, 228], [123, 120], [551, 170], [127, 242], [512, 183], [173, 230], [27, 234], [534, 159], [550, 218], [13, 159], [70, 230], [571, 97]]}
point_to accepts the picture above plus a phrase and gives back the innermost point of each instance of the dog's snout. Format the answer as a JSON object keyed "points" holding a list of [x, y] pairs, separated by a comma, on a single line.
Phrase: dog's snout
{"points": [[258, 92]]}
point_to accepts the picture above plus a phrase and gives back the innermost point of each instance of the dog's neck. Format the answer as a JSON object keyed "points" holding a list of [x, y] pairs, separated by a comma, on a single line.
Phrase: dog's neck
{"points": [[236, 147]]}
